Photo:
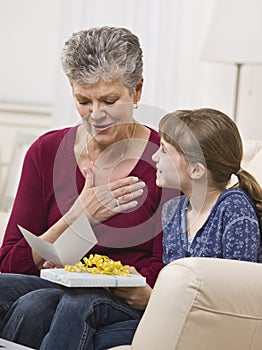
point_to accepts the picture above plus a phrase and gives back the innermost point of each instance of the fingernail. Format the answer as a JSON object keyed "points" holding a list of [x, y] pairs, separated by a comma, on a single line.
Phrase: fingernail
{"points": [[134, 203]]}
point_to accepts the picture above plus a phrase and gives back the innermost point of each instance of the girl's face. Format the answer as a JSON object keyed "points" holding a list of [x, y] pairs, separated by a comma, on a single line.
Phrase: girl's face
{"points": [[172, 168], [106, 109]]}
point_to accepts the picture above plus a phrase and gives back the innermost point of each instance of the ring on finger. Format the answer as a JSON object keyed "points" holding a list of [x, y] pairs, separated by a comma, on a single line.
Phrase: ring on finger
{"points": [[117, 203]]}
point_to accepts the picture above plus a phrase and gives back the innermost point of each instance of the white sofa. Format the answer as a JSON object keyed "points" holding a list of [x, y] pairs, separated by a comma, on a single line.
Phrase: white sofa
{"points": [[252, 159], [203, 304], [3, 222]]}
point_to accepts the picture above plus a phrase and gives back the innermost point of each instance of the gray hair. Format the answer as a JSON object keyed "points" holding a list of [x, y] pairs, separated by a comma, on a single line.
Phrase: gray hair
{"points": [[107, 53]]}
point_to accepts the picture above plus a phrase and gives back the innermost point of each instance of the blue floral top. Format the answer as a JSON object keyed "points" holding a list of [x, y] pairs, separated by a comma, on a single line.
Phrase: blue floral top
{"points": [[231, 230]]}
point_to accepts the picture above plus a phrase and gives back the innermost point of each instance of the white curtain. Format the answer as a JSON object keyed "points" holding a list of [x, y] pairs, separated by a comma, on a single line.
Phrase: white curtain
{"points": [[172, 34], [154, 21]]}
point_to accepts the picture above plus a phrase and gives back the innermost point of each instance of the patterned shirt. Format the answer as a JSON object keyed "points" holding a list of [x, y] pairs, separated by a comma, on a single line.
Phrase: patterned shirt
{"points": [[231, 230]]}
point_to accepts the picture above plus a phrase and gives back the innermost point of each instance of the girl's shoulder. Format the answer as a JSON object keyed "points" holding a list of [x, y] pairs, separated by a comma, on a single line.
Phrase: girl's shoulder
{"points": [[173, 206], [235, 196], [235, 203], [175, 201]]}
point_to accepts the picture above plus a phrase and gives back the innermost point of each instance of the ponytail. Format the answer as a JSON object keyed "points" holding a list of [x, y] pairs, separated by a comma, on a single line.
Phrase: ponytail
{"points": [[248, 183]]}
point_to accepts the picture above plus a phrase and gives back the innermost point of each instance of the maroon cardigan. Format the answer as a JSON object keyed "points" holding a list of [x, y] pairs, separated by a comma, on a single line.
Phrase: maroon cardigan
{"points": [[49, 185]]}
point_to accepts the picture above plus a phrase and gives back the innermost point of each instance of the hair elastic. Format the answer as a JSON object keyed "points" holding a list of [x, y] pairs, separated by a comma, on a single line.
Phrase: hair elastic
{"points": [[239, 171]]}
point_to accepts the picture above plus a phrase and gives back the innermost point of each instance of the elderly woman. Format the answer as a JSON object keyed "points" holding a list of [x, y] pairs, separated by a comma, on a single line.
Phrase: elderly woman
{"points": [[102, 167]]}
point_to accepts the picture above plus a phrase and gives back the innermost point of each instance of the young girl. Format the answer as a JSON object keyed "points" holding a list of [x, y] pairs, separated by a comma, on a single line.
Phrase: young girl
{"points": [[200, 150]]}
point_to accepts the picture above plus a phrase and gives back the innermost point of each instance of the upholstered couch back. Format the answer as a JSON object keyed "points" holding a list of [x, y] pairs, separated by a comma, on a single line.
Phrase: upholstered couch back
{"points": [[203, 304]]}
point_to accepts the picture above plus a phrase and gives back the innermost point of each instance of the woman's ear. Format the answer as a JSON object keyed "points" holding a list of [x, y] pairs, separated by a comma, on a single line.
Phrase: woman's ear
{"points": [[138, 91], [197, 171]]}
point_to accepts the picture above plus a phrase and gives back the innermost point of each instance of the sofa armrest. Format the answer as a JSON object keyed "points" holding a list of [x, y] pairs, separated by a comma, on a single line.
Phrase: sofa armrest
{"points": [[4, 217], [203, 304]]}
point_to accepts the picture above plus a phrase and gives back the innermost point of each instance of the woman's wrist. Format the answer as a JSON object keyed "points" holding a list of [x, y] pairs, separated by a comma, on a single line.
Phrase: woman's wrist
{"points": [[75, 211]]}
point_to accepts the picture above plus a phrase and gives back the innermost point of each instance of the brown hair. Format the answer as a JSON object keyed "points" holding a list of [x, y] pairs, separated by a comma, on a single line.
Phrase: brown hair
{"points": [[212, 138]]}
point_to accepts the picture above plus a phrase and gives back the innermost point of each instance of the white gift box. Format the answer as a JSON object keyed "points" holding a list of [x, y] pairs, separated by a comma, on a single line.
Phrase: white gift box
{"points": [[87, 279]]}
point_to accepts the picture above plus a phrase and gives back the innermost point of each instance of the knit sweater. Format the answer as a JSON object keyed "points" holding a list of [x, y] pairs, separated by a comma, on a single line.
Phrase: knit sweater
{"points": [[50, 183]]}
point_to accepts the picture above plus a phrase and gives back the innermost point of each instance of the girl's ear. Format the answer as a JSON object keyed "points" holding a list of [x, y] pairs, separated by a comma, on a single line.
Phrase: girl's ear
{"points": [[197, 171]]}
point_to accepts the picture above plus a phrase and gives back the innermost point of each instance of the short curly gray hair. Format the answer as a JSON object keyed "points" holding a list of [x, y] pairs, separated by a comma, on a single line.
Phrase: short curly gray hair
{"points": [[108, 53]]}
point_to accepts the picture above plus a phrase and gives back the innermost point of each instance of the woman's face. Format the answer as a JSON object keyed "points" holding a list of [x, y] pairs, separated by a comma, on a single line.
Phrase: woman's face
{"points": [[172, 168], [106, 109]]}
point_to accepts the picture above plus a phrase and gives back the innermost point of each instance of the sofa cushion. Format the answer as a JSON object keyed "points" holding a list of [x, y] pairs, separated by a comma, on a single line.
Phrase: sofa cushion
{"points": [[3, 222], [255, 167], [203, 304], [251, 161]]}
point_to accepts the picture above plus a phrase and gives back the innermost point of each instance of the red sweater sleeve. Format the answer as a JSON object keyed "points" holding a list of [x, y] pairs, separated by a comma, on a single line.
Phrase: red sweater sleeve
{"points": [[29, 212], [155, 263], [152, 270], [35, 206]]}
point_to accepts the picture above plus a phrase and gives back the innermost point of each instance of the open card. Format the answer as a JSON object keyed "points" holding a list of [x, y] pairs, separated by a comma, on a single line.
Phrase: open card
{"points": [[8, 345], [69, 248]]}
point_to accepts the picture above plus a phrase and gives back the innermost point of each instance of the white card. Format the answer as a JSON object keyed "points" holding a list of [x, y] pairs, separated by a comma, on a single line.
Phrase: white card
{"points": [[7, 345], [69, 248]]}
